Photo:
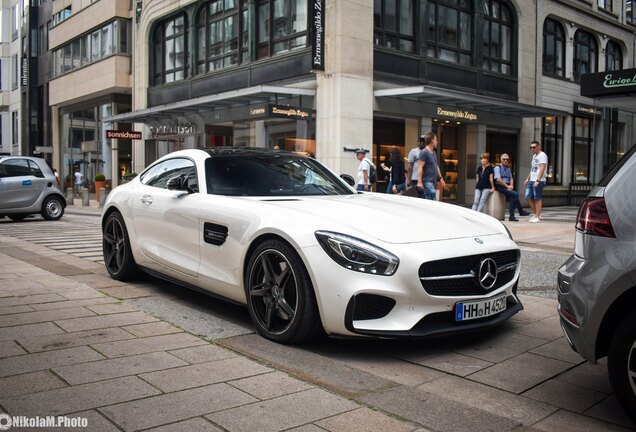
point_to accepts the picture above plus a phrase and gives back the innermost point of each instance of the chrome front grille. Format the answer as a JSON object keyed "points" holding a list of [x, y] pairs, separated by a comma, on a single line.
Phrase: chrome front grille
{"points": [[460, 276]]}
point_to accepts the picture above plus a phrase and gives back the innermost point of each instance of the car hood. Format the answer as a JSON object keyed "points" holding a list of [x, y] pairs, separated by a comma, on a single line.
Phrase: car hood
{"points": [[391, 219]]}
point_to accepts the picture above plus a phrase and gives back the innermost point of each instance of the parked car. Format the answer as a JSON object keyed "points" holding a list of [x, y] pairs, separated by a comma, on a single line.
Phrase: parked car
{"points": [[305, 252], [597, 285], [28, 186]]}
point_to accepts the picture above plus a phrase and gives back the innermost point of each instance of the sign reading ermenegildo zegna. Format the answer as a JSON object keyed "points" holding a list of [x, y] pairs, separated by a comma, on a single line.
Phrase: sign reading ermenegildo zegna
{"points": [[317, 35], [456, 114]]}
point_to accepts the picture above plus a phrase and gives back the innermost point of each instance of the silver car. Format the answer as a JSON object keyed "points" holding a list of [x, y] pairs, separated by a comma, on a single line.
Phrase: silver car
{"points": [[597, 285], [28, 186]]}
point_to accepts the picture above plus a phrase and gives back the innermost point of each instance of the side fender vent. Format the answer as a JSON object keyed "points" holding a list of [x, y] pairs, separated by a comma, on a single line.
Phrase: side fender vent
{"points": [[214, 234]]}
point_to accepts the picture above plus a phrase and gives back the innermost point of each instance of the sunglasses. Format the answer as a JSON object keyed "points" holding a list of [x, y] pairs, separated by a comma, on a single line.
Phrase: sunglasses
{"points": [[504, 159], [533, 147]]}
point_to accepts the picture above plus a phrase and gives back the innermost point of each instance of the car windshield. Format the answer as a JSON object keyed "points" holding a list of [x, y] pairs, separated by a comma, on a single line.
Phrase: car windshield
{"points": [[270, 175]]}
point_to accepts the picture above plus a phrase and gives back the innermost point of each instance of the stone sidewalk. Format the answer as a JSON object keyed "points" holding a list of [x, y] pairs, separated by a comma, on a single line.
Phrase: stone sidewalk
{"points": [[71, 344]]}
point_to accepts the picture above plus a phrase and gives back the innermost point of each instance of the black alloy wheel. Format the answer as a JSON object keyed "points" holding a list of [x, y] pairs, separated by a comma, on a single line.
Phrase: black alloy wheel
{"points": [[280, 296], [118, 258], [52, 208], [621, 364]]}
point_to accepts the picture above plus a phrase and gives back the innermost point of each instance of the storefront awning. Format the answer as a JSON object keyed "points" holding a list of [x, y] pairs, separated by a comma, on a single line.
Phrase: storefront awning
{"points": [[467, 101], [247, 96]]}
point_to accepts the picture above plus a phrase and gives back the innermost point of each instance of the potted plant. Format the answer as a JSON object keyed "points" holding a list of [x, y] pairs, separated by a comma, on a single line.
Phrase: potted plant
{"points": [[100, 182]]}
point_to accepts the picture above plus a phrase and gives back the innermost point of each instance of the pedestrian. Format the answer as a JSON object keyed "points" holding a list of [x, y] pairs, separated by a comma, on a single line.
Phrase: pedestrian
{"points": [[428, 172], [412, 168], [535, 182], [364, 169], [386, 171], [505, 183], [398, 176], [485, 182], [57, 176], [78, 181]]}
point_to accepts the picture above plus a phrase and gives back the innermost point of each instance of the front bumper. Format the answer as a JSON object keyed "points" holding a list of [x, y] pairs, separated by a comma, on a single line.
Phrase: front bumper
{"points": [[409, 310]]}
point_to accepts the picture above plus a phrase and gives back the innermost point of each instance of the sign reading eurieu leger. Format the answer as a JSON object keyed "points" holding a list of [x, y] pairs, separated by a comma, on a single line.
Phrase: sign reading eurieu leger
{"points": [[318, 35], [608, 83]]}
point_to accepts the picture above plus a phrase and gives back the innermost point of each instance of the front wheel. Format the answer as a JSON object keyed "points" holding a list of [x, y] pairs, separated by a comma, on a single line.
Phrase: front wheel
{"points": [[118, 257], [621, 364], [280, 297], [52, 208]]}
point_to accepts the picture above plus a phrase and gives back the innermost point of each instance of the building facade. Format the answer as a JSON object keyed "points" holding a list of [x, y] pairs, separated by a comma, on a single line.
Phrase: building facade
{"points": [[327, 76], [90, 46]]}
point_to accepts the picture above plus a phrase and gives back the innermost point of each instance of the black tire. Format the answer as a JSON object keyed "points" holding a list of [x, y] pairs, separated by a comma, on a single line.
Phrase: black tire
{"points": [[17, 217], [118, 257], [280, 296], [52, 208], [621, 364]]}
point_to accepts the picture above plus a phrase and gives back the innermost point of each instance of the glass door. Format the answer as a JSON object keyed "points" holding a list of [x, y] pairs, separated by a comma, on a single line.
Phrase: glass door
{"points": [[449, 161]]}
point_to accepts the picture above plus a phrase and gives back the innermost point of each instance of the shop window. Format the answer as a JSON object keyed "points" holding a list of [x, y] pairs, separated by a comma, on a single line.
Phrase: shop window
{"points": [[498, 37], [581, 145], [585, 54], [605, 5], [394, 25], [169, 43], [281, 26], [552, 139], [613, 56], [553, 48], [217, 35], [449, 31]]}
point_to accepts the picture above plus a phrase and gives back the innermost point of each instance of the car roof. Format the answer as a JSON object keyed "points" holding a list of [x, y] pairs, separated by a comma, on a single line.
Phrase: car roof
{"points": [[33, 158]]}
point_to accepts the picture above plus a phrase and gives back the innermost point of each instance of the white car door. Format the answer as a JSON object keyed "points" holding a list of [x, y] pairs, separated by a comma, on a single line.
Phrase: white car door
{"points": [[166, 221]]}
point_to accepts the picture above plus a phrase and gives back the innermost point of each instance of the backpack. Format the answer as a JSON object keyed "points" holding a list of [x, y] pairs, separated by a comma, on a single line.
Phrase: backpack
{"points": [[373, 175]]}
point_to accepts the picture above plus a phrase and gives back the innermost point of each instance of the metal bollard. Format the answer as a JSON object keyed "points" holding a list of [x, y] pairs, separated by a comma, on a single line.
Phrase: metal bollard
{"points": [[85, 199], [70, 196], [102, 196]]}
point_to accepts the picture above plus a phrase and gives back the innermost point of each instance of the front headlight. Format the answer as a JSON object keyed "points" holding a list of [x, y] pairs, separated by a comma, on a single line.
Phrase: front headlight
{"points": [[508, 231], [356, 254]]}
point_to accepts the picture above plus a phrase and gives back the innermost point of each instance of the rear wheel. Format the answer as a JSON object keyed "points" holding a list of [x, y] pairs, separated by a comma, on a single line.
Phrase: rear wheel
{"points": [[621, 364], [18, 218], [118, 257], [280, 297], [52, 208]]}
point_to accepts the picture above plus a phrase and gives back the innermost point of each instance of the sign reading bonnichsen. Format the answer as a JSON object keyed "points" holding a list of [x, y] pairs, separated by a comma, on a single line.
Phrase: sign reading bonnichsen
{"points": [[318, 35]]}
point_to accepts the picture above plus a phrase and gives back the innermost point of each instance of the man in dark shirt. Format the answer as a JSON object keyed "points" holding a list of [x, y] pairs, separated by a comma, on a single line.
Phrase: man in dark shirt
{"points": [[428, 170]]}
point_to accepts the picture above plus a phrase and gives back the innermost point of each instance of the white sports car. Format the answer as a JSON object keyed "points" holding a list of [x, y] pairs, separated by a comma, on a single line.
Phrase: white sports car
{"points": [[286, 236]]}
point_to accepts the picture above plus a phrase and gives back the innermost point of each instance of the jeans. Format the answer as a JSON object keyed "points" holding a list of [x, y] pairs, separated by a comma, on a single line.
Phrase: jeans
{"points": [[512, 196], [398, 187], [430, 191], [481, 195]]}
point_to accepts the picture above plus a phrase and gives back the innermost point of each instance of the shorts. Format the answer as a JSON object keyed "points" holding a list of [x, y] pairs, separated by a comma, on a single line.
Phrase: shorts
{"points": [[535, 193]]}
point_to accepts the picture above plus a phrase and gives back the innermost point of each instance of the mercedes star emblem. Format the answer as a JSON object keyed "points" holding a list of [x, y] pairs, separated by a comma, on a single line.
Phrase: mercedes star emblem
{"points": [[487, 273]]}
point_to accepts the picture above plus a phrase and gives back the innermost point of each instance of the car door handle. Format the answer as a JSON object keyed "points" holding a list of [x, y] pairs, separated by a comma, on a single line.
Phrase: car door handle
{"points": [[146, 199]]}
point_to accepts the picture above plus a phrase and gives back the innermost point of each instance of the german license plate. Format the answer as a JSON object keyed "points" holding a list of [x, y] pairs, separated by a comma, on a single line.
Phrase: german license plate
{"points": [[465, 311]]}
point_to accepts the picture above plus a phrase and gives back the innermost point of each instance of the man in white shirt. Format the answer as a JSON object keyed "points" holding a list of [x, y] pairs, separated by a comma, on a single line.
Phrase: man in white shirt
{"points": [[78, 181], [364, 169], [535, 182]]}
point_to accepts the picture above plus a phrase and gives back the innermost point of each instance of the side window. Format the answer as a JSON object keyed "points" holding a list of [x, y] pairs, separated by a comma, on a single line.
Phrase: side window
{"points": [[15, 168], [147, 177], [173, 168], [35, 169]]}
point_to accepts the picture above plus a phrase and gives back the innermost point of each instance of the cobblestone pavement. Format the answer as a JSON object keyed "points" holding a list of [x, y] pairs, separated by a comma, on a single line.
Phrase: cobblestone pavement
{"points": [[151, 356]]}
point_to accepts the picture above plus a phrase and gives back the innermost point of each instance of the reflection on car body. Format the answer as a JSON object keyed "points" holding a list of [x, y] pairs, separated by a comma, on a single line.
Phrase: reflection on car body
{"points": [[305, 252]]}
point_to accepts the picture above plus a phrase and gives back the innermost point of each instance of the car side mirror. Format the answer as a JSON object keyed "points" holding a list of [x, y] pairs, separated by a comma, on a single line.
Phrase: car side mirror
{"points": [[348, 179], [179, 183]]}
